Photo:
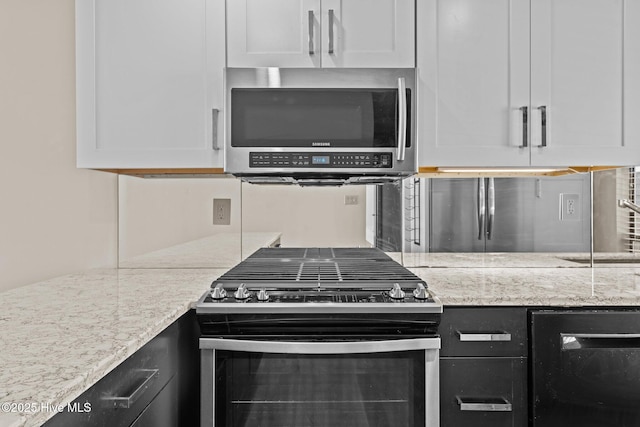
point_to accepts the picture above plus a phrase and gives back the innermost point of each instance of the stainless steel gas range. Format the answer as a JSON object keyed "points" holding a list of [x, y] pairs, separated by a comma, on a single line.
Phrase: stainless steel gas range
{"points": [[319, 337]]}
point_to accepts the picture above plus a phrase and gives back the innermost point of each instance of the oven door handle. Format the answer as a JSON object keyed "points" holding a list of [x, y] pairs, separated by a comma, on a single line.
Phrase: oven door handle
{"points": [[317, 347]]}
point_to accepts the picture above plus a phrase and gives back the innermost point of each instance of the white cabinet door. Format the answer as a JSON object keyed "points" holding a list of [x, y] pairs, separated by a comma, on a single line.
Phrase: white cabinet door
{"points": [[473, 80], [368, 33], [273, 33], [579, 50], [632, 80], [149, 74]]}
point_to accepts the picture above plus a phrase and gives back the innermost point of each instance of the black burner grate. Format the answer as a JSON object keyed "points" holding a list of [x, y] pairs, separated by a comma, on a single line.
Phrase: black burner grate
{"points": [[318, 265]]}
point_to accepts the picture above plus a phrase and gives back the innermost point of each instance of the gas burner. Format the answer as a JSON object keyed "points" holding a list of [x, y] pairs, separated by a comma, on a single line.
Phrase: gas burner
{"points": [[319, 280]]}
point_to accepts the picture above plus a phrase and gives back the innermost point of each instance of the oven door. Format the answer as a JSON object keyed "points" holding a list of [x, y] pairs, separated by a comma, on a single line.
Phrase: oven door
{"points": [[253, 382]]}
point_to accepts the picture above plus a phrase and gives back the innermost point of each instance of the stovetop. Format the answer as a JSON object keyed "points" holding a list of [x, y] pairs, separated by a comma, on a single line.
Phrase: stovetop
{"points": [[319, 280]]}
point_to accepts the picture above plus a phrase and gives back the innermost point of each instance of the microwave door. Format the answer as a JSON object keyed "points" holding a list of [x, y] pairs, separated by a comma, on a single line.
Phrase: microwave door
{"points": [[307, 118]]}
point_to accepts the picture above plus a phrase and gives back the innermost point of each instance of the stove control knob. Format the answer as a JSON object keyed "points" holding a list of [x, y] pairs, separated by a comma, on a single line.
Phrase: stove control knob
{"points": [[241, 292], [218, 292], [420, 292], [263, 295], [396, 292]]}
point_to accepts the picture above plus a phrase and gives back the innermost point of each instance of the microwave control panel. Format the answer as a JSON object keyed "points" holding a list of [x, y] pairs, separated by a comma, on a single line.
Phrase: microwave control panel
{"points": [[320, 160]]}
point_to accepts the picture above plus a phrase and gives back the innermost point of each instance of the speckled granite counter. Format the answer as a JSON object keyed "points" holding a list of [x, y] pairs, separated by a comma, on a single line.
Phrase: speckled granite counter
{"points": [[567, 287], [219, 250], [59, 337]]}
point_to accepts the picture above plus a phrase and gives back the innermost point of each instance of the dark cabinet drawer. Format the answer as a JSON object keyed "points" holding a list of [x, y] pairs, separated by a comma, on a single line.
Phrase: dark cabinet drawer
{"points": [[485, 391], [485, 331], [121, 396]]}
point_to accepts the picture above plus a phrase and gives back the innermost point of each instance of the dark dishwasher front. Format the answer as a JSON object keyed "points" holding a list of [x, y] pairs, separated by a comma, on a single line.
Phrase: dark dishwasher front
{"points": [[585, 368]]}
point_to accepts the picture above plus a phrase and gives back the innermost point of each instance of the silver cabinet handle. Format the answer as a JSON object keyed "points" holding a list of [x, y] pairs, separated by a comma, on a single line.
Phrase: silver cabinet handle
{"points": [[331, 13], [149, 376], [543, 125], [483, 336], [525, 127], [600, 341], [482, 404], [481, 208], [312, 49], [491, 199], [402, 117], [214, 128]]}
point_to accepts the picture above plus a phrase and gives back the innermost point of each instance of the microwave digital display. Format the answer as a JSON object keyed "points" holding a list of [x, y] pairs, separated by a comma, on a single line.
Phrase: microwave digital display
{"points": [[320, 160]]}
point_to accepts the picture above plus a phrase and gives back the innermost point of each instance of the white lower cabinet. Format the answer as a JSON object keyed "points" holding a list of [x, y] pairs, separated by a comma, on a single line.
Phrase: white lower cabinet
{"points": [[528, 82], [150, 83]]}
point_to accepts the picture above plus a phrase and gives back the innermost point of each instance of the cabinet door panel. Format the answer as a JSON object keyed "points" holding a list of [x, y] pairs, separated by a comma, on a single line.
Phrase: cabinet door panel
{"points": [[273, 33], [578, 55], [368, 33], [473, 60], [144, 97]]}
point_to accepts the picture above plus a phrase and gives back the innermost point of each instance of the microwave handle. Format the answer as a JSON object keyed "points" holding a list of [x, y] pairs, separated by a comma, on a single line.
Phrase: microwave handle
{"points": [[402, 118], [319, 347]]}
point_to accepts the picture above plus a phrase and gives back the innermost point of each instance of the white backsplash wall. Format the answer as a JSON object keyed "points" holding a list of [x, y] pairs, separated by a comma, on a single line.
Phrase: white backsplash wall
{"points": [[158, 213], [55, 219], [306, 216]]}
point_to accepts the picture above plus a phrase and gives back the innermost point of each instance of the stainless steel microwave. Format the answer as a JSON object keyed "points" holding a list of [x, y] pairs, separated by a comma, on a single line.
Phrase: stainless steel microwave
{"points": [[321, 127]]}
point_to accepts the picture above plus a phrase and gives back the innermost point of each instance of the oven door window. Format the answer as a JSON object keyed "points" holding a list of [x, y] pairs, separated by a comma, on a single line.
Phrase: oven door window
{"points": [[297, 390], [336, 118]]}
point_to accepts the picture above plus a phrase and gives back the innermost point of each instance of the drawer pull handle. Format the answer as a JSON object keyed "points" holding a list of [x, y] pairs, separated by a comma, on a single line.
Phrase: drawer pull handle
{"points": [[483, 336], [146, 378], [499, 404]]}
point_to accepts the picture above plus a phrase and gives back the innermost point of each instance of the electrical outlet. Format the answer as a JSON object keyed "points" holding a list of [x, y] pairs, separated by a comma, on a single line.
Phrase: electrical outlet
{"points": [[569, 207], [221, 211], [350, 200]]}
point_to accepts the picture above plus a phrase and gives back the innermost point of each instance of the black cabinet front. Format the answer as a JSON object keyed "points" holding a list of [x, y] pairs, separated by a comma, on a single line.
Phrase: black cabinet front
{"points": [[586, 368]]}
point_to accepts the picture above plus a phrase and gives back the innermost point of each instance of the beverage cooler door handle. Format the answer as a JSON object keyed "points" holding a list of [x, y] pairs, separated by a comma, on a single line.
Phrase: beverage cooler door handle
{"points": [[482, 404], [316, 347], [402, 118], [312, 49], [331, 17], [599, 341], [491, 199], [481, 208]]}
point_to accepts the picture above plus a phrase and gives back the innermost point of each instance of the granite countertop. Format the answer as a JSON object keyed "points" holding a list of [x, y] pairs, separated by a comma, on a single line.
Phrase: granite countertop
{"points": [[219, 250], [60, 336], [539, 286]]}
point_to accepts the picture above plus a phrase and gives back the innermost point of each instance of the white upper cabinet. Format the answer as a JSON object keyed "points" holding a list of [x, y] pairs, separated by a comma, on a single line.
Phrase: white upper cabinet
{"points": [[579, 49], [528, 82], [321, 33], [473, 82], [149, 78]]}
